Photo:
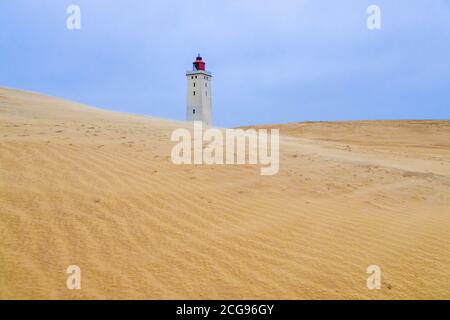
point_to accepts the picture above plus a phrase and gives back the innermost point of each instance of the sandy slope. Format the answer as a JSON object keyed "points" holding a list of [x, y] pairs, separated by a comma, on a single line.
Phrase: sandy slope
{"points": [[97, 189]]}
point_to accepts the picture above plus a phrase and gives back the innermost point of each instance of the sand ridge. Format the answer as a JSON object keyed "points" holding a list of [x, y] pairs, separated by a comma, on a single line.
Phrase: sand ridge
{"points": [[85, 186]]}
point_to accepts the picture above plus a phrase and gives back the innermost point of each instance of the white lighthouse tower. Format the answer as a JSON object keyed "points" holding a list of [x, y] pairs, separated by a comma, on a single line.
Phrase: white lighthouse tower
{"points": [[199, 93]]}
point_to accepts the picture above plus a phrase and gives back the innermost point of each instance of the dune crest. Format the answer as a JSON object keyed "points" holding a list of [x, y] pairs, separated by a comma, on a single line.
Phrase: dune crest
{"points": [[93, 188]]}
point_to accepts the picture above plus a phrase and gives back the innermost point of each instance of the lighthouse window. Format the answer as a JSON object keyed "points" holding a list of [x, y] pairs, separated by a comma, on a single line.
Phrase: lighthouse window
{"points": [[194, 84], [193, 111], [206, 92], [193, 93], [206, 85]]}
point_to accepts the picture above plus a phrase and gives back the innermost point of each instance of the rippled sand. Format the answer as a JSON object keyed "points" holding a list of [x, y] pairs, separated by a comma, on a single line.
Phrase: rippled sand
{"points": [[97, 189]]}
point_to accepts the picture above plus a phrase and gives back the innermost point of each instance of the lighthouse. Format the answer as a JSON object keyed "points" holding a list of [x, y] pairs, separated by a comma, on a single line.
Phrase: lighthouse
{"points": [[199, 93]]}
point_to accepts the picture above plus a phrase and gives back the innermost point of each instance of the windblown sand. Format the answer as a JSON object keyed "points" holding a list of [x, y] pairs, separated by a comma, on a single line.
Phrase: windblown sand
{"points": [[97, 189]]}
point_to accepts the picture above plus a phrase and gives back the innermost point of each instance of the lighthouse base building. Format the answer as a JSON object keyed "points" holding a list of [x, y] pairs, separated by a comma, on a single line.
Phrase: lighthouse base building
{"points": [[199, 93]]}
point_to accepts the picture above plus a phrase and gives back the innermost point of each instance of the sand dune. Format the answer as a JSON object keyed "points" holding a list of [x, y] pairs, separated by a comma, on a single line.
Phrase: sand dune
{"points": [[97, 189]]}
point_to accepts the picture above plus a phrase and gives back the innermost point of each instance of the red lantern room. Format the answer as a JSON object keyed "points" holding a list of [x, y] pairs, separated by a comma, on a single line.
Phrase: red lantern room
{"points": [[199, 64]]}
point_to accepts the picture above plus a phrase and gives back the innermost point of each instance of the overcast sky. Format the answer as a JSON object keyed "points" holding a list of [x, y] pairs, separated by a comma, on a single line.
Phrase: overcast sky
{"points": [[272, 61]]}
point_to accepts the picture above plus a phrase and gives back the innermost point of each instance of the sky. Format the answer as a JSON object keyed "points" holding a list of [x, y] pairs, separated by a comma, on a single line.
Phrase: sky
{"points": [[272, 61]]}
